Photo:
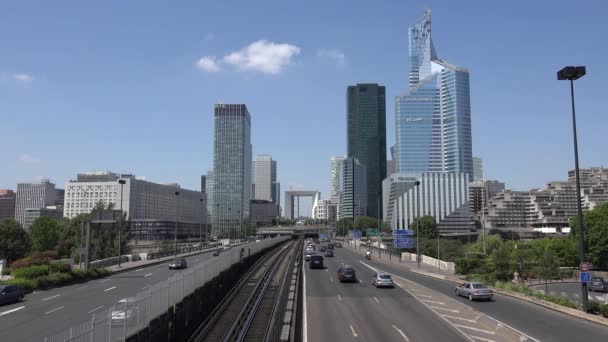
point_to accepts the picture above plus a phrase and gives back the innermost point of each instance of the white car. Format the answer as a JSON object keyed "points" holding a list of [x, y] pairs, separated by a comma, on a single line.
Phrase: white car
{"points": [[119, 314]]}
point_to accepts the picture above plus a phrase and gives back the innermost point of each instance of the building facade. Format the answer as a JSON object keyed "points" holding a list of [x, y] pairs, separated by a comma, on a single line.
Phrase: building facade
{"points": [[33, 214], [7, 204], [265, 178], [433, 118], [33, 196], [335, 170], [477, 169], [263, 212], [231, 167], [209, 193], [366, 136], [353, 189]]}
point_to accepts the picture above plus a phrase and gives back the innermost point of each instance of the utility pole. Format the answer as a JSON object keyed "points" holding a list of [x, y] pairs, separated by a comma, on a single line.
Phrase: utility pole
{"points": [[121, 182]]}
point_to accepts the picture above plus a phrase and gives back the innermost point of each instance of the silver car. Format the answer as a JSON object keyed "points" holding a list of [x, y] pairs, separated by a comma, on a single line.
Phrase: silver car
{"points": [[119, 316], [474, 290], [382, 280]]}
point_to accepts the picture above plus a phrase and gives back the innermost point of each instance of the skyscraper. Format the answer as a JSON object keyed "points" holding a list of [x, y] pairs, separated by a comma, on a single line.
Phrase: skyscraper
{"points": [[353, 180], [33, 196], [366, 138], [231, 168], [209, 192], [265, 178], [477, 168], [433, 118], [335, 172], [7, 204]]}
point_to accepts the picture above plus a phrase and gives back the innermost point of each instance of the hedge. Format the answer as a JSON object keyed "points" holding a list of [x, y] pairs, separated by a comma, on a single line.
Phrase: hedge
{"points": [[28, 284], [56, 279], [604, 310], [31, 272], [59, 266]]}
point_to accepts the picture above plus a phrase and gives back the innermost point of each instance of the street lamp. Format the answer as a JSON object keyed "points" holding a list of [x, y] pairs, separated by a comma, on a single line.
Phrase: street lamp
{"points": [[572, 73], [175, 233], [417, 184], [121, 182], [200, 225]]}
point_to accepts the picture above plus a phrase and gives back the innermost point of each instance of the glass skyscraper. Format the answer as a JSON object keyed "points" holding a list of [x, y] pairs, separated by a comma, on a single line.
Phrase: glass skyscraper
{"points": [[231, 168], [433, 118], [366, 120]]}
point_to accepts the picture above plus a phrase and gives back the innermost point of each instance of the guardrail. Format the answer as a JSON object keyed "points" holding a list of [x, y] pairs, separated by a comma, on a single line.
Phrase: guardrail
{"points": [[133, 314]]}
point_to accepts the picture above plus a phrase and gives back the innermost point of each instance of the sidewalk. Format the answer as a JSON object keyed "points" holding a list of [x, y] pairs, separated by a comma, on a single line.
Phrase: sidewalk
{"points": [[130, 265]]}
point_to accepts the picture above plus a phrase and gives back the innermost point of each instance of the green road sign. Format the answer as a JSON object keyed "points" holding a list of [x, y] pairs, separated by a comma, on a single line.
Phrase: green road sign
{"points": [[372, 231]]}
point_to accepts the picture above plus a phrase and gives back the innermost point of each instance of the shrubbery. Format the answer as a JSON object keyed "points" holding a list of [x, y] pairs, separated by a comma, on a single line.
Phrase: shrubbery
{"points": [[19, 263], [31, 272], [533, 293], [28, 284], [593, 307], [43, 258], [59, 266], [34, 277], [6, 271], [604, 310]]}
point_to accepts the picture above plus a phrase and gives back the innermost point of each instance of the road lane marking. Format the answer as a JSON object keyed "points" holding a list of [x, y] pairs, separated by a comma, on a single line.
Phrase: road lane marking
{"points": [[481, 338], [139, 269], [103, 281], [109, 289], [401, 333], [145, 287], [439, 308], [434, 302], [59, 308], [340, 297], [326, 270], [426, 296], [12, 310], [376, 299], [460, 318], [55, 296], [331, 279], [353, 331], [475, 329], [147, 275], [97, 308]]}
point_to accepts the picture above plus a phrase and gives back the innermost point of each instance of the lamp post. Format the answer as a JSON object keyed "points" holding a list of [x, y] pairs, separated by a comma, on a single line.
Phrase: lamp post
{"points": [[417, 183], [122, 182], [200, 225], [175, 231], [572, 73]]}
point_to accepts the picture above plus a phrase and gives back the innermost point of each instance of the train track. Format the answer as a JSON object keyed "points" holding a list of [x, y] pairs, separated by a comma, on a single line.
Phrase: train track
{"points": [[244, 314]]}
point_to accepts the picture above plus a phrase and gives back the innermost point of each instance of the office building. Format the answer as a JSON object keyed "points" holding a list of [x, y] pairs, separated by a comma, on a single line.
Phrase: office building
{"points": [[231, 168], [263, 212], [33, 196], [433, 117], [203, 183], [353, 189], [366, 137], [151, 208], [391, 167], [31, 215], [265, 178], [477, 169], [7, 204], [335, 170], [491, 188], [209, 193]]}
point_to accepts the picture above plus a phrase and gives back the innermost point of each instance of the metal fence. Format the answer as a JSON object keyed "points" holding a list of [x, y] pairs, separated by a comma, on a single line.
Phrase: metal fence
{"points": [[132, 314]]}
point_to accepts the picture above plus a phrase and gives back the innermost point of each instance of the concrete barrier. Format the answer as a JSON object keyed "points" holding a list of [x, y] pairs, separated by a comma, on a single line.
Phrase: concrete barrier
{"points": [[427, 260]]}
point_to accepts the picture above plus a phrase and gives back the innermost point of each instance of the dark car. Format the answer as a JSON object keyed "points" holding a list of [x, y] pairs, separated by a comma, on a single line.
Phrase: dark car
{"points": [[329, 253], [316, 261], [217, 252], [178, 263], [598, 284], [347, 273], [11, 294], [330, 246], [322, 248], [338, 244]]}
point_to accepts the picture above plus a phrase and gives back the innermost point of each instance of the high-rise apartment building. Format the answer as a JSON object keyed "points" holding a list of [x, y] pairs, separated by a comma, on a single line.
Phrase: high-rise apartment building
{"points": [[231, 167], [477, 169], [353, 189], [7, 204], [366, 137], [433, 118], [265, 178], [33, 196]]}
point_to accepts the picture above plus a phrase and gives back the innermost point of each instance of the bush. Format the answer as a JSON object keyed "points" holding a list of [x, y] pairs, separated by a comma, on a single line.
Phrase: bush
{"points": [[44, 258], [593, 307], [25, 262], [6, 271], [59, 266], [78, 274], [28, 284], [92, 273], [42, 282], [57, 279], [604, 310], [31, 272]]}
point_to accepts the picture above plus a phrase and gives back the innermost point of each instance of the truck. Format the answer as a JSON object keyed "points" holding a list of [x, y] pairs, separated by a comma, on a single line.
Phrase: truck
{"points": [[224, 242]]}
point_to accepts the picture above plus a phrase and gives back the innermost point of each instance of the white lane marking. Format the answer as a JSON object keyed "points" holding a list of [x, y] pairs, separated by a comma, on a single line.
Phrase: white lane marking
{"points": [[147, 275], [103, 281], [401, 333], [353, 331], [376, 299], [305, 320], [360, 281], [12, 310], [109, 289], [97, 308], [145, 287], [59, 308], [460, 318], [481, 339], [139, 269], [55, 296], [434, 302], [340, 297], [331, 279], [326, 270], [425, 296], [439, 308], [475, 329]]}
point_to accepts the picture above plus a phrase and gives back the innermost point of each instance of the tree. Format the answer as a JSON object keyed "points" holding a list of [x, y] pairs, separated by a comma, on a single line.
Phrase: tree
{"points": [[547, 264], [365, 222], [501, 258], [343, 225], [44, 233], [595, 223], [14, 241], [426, 226]]}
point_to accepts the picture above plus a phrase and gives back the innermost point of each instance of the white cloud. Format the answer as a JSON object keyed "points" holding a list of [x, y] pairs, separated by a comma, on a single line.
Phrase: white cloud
{"points": [[141, 178], [264, 56], [208, 64], [335, 55], [25, 78], [210, 36], [27, 159]]}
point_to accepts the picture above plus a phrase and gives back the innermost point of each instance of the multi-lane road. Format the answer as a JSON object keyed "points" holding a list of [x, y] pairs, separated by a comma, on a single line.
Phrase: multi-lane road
{"points": [[46, 313], [422, 308]]}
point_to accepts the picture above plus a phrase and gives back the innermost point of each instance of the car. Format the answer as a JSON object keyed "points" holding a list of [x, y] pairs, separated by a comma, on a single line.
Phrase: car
{"points": [[316, 261], [598, 284], [347, 273], [474, 290], [11, 294], [338, 244], [329, 253], [322, 248], [307, 257], [125, 311], [217, 252], [330, 246], [382, 280], [178, 263]]}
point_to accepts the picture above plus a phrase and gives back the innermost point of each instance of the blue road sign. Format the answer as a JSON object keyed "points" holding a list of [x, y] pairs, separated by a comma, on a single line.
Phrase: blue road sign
{"points": [[357, 234], [403, 238], [585, 277], [403, 232]]}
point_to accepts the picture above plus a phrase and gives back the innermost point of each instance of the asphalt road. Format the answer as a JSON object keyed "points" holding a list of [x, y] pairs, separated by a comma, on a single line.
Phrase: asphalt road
{"points": [[531, 320], [46, 313], [572, 291]]}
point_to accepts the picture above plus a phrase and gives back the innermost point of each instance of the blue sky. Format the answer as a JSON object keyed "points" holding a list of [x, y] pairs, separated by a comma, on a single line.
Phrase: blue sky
{"points": [[120, 85]]}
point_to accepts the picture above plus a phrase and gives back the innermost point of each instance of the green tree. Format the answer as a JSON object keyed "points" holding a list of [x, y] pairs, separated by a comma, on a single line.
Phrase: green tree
{"points": [[565, 251], [595, 230], [426, 225], [343, 225], [501, 259], [547, 264], [14, 241], [365, 222], [44, 233]]}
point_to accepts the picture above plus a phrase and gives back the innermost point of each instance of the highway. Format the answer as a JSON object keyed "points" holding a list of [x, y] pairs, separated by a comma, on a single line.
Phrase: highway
{"points": [[46, 313], [571, 291], [423, 309]]}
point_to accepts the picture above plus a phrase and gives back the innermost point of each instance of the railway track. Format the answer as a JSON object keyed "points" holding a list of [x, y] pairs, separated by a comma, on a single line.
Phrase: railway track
{"points": [[250, 309]]}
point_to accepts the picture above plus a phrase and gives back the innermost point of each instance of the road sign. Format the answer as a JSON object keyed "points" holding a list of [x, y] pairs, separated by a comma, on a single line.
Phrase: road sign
{"points": [[357, 234], [585, 277], [403, 238], [584, 267], [403, 232], [371, 232], [80, 250], [404, 243]]}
